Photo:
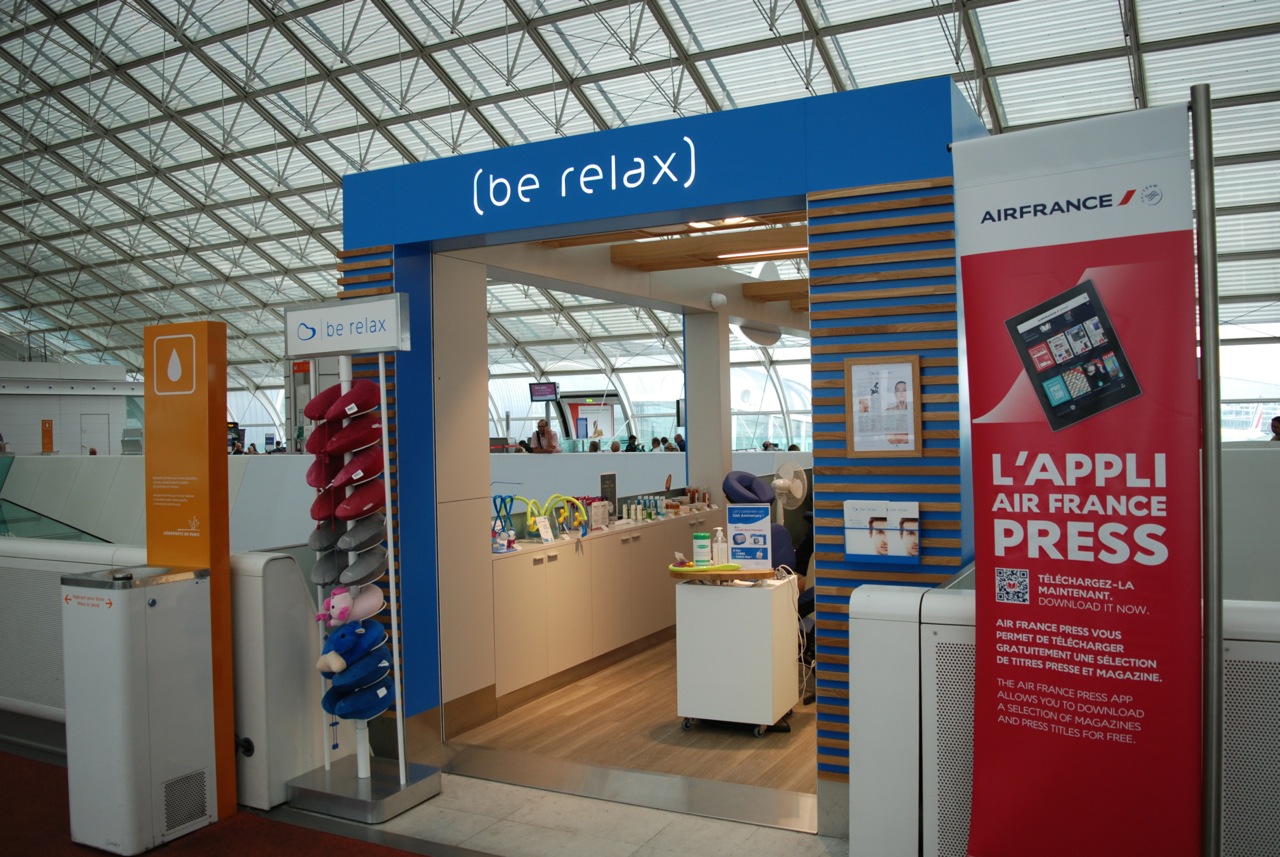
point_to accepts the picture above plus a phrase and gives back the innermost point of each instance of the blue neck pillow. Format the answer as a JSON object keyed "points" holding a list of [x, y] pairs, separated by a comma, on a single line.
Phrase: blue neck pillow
{"points": [[743, 487], [348, 643]]}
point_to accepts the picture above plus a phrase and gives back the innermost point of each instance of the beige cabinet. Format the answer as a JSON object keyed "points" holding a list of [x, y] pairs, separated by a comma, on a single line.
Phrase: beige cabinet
{"points": [[559, 605], [541, 613], [568, 571], [519, 620]]}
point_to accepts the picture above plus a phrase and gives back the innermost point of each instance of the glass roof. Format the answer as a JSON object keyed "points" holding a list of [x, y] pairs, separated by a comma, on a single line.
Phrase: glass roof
{"points": [[182, 159]]}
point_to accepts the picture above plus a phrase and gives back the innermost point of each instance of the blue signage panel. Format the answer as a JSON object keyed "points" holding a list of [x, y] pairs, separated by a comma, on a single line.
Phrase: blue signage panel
{"points": [[743, 156]]}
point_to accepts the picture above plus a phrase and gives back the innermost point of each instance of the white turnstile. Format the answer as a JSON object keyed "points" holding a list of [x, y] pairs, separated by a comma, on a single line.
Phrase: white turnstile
{"points": [[138, 668]]}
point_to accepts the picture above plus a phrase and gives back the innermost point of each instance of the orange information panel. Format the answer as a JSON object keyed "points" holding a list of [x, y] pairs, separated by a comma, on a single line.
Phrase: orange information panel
{"points": [[46, 437], [186, 494]]}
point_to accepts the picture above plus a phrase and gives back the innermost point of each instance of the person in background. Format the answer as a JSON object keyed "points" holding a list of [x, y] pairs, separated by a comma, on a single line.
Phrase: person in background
{"points": [[279, 448], [768, 445], [655, 445], [632, 446], [795, 447], [93, 450], [1275, 428], [237, 449], [253, 449], [679, 441], [545, 439], [615, 447], [594, 446]]}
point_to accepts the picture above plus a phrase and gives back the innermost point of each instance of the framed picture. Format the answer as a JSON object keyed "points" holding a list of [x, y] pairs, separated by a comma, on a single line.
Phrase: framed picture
{"points": [[882, 406]]}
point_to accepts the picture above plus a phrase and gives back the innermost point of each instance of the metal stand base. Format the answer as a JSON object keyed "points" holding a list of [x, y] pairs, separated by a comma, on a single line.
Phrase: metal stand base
{"points": [[340, 793]]}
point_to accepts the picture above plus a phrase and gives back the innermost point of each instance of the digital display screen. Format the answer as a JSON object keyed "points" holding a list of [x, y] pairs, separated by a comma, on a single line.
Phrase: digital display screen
{"points": [[1070, 351], [544, 391]]}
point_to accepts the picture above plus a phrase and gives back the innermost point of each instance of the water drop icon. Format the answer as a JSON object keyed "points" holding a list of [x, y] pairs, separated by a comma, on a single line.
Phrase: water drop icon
{"points": [[175, 366]]}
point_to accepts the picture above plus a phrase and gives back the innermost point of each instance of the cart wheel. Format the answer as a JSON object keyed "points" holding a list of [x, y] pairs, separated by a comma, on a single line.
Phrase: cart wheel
{"points": [[760, 730], [687, 724]]}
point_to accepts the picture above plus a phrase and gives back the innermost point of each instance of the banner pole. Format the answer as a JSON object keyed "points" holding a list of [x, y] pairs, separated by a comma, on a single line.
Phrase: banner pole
{"points": [[1207, 267]]}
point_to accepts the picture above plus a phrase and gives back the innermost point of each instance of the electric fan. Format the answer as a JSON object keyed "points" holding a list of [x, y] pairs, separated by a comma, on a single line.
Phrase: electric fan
{"points": [[790, 485]]}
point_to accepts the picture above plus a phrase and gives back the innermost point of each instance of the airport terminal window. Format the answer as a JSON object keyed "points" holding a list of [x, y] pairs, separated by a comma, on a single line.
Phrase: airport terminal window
{"points": [[1250, 388]]}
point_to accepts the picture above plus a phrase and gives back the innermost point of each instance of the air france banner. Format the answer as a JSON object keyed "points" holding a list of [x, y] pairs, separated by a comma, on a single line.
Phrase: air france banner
{"points": [[1080, 321]]}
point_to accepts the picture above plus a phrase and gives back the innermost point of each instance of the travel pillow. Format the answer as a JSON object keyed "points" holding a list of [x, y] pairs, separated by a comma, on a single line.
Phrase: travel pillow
{"points": [[743, 487]]}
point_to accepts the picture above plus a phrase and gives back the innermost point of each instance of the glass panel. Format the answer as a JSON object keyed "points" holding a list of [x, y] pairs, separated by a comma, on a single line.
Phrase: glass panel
{"points": [[1241, 232], [22, 523], [772, 74], [887, 54], [1170, 19], [607, 40], [1243, 67], [341, 36], [1248, 128], [1065, 92], [644, 98], [1037, 29], [1249, 277], [1246, 184], [704, 25], [557, 113], [751, 391], [796, 379], [830, 12]]}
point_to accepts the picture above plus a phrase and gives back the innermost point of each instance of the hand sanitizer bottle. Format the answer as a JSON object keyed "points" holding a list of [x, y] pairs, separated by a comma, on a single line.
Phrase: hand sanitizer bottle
{"points": [[719, 548]]}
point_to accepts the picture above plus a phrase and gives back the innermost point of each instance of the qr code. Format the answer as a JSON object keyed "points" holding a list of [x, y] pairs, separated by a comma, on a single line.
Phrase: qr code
{"points": [[1012, 586]]}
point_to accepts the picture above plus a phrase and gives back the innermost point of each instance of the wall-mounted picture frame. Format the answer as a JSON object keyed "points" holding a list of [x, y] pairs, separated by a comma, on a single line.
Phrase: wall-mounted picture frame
{"points": [[882, 407]]}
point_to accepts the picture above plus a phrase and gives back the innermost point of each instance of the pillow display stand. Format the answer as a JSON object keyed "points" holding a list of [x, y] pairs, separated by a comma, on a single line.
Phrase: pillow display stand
{"points": [[354, 546]]}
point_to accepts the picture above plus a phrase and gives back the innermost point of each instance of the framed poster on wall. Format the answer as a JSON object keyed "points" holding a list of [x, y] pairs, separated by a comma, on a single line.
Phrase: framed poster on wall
{"points": [[882, 404]]}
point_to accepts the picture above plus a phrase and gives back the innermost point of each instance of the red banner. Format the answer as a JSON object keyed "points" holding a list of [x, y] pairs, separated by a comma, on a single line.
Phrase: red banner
{"points": [[1079, 320]]}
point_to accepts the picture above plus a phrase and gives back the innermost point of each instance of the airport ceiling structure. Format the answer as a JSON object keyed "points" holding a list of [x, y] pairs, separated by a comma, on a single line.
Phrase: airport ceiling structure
{"points": [[174, 160]]}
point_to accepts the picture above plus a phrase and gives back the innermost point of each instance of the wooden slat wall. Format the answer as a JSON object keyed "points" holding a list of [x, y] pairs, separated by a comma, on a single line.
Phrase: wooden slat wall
{"points": [[882, 283], [377, 278]]}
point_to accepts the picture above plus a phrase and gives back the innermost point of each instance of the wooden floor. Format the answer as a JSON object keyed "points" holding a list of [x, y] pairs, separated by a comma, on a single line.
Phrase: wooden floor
{"points": [[625, 717]]}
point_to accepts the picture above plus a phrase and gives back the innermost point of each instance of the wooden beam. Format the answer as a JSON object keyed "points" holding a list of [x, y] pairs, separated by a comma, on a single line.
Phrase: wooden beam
{"points": [[777, 290], [702, 251]]}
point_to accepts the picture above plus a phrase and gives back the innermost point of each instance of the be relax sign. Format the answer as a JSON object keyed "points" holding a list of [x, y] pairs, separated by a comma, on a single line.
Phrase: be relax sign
{"points": [[630, 171], [360, 326]]}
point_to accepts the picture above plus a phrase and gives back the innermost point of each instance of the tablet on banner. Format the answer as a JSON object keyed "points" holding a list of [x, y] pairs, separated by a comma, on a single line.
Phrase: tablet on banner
{"points": [[1080, 321], [1072, 355]]}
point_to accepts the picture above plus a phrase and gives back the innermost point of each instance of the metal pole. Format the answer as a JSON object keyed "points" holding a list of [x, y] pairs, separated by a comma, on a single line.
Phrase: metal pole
{"points": [[1207, 266], [392, 570]]}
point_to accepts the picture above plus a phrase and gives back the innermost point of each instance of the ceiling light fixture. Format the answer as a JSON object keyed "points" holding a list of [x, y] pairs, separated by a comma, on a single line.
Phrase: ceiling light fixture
{"points": [[780, 251]]}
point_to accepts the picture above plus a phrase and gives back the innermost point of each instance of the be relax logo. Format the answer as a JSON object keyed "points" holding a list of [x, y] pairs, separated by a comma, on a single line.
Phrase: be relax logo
{"points": [[348, 327], [628, 172]]}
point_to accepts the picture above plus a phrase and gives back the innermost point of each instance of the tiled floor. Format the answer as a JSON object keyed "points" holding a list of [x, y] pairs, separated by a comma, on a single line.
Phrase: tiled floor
{"points": [[473, 816]]}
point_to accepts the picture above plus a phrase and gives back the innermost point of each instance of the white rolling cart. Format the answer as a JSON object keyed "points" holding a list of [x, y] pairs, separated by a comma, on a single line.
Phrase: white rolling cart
{"points": [[736, 649]]}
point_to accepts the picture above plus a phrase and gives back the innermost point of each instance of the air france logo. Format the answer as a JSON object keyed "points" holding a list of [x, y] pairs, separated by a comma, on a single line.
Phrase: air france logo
{"points": [[305, 332], [1149, 195]]}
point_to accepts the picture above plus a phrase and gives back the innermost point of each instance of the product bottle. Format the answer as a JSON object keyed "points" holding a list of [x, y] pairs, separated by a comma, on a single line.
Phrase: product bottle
{"points": [[719, 548], [702, 548]]}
